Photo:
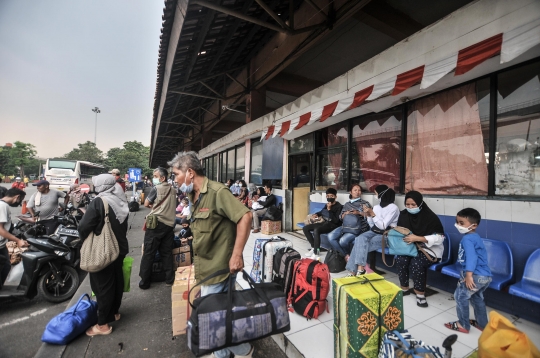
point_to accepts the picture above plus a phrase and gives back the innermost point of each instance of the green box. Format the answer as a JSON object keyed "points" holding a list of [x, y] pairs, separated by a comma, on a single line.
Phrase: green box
{"points": [[357, 323]]}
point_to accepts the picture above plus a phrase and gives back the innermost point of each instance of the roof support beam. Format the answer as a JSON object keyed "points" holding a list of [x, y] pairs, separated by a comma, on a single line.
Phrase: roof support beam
{"points": [[201, 36], [235, 80], [273, 14], [239, 15], [195, 95], [211, 89], [318, 9], [183, 124], [207, 78]]}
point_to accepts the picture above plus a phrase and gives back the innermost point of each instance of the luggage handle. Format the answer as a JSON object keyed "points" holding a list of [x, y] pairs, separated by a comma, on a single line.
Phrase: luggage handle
{"points": [[215, 274], [79, 301]]}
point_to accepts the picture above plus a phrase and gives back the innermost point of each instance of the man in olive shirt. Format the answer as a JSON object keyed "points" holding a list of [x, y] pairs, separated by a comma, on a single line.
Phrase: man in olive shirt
{"points": [[220, 225]]}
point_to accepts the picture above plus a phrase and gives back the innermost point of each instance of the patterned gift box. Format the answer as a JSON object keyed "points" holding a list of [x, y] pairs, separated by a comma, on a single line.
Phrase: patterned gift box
{"points": [[357, 323], [270, 227]]}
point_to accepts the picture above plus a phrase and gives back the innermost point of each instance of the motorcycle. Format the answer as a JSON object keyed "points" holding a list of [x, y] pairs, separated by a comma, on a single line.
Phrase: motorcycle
{"points": [[48, 267]]}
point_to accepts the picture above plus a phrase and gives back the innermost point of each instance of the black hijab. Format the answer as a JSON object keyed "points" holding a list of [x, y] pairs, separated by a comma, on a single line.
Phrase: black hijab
{"points": [[426, 222], [387, 195]]}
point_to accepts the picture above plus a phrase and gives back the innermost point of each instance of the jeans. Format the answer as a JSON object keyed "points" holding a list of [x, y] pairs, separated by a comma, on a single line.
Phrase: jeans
{"points": [[341, 242], [363, 244], [223, 286], [476, 296]]}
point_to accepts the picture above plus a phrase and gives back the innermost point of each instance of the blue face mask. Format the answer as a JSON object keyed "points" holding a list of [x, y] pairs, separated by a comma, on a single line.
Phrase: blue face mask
{"points": [[156, 181], [187, 188], [353, 200], [414, 210]]}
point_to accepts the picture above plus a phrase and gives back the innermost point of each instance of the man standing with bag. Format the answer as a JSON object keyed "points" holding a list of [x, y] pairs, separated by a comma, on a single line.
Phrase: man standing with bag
{"points": [[159, 233], [220, 226]]}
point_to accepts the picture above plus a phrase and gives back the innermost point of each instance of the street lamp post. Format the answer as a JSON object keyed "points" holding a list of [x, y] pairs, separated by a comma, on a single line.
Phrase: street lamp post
{"points": [[96, 111]]}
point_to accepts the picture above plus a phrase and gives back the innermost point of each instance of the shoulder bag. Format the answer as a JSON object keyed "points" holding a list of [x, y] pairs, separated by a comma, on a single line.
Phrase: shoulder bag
{"points": [[99, 251], [152, 220], [393, 240]]}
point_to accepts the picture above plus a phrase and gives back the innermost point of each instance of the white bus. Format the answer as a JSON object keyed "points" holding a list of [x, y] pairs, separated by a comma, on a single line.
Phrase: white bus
{"points": [[61, 173]]}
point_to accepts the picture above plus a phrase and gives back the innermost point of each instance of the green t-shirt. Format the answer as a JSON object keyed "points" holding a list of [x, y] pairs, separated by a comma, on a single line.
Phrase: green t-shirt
{"points": [[214, 217]]}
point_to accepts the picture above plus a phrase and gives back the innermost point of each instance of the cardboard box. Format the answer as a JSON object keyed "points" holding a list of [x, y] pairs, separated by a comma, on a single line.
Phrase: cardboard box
{"points": [[181, 256], [356, 308], [181, 310], [270, 227]]}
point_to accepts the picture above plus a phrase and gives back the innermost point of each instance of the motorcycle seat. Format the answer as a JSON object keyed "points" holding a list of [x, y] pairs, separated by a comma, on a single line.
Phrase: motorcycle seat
{"points": [[26, 219]]}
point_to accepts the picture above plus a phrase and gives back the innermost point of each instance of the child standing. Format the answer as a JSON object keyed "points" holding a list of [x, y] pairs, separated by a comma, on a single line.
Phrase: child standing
{"points": [[475, 274]]}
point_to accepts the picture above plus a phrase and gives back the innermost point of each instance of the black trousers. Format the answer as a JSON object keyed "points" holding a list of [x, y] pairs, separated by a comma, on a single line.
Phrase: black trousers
{"points": [[108, 286], [159, 239], [418, 269], [5, 265], [318, 229]]}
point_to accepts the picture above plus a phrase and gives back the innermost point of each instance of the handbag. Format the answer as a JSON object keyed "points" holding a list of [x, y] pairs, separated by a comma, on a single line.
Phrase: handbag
{"points": [[63, 328], [99, 251], [229, 318], [151, 221], [310, 220], [396, 344], [335, 261], [393, 240]]}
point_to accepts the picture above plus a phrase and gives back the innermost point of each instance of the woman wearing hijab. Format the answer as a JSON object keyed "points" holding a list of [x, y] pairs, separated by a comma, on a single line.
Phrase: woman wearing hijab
{"points": [[382, 217], [428, 231], [243, 197], [107, 284]]}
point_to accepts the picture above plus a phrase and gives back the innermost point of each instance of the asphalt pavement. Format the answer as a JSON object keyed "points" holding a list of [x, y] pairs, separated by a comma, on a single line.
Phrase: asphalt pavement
{"points": [[145, 329]]}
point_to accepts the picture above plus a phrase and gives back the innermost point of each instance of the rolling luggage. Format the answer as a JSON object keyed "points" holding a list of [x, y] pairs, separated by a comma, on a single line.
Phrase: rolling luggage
{"points": [[263, 257], [310, 287], [364, 309], [284, 260]]}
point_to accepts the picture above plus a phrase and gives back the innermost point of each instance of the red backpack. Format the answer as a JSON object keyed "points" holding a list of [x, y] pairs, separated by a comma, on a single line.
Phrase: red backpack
{"points": [[311, 284]]}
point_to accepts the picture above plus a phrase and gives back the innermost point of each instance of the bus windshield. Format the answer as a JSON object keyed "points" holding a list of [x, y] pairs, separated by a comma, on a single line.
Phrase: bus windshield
{"points": [[62, 164]]}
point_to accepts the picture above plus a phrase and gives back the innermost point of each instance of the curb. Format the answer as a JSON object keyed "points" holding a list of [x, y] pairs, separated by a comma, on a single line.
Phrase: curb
{"points": [[52, 350], [286, 346]]}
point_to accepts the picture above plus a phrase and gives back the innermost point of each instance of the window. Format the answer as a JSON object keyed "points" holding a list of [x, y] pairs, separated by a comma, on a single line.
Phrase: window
{"points": [[517, 152], [301, 145], [376, 150], [447, 137], [331, 170], [230, 164], [240, 163], [256, 163]]}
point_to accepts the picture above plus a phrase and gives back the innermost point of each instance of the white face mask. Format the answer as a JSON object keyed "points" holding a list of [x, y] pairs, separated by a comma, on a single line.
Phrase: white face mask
{"points": [[461, 229]]}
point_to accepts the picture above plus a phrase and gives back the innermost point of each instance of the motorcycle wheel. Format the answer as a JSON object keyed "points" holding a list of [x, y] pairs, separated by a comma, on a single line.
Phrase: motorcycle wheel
{"points": [[58, 289]]}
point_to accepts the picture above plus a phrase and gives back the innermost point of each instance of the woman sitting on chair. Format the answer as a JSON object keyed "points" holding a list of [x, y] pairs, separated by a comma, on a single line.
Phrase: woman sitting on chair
{"points": [[428, 231]]}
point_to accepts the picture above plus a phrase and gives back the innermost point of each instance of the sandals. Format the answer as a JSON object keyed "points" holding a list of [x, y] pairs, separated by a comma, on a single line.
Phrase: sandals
{"points": [[475, 324], [421, 301], [94, 331], [454, 326]]}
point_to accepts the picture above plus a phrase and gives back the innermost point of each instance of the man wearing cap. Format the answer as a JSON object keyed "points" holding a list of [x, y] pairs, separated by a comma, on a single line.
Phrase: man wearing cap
{"points": [[119, 180], [18, 184], [46, 202]]}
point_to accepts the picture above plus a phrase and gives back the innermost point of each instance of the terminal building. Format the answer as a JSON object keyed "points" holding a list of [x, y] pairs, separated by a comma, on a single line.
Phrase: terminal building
{"points": [[442, 97]]}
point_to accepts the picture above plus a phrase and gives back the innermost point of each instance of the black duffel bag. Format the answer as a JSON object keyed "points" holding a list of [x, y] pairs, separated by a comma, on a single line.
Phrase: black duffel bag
{"points": [[273, 213], [133, 206], [229, 318], [335, 261]]}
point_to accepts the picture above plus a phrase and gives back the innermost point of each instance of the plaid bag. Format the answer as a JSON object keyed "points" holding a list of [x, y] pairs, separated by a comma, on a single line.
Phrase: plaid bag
{"points": [[402, 345]]}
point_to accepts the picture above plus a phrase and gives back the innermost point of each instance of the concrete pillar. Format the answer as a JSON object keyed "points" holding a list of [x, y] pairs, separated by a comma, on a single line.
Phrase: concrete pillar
{"points": [[247, 160]]}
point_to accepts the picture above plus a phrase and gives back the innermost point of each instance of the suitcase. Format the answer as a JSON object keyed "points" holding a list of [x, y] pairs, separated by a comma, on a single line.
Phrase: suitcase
{"points": [[364, 309], [284, 260], [263, 257]]}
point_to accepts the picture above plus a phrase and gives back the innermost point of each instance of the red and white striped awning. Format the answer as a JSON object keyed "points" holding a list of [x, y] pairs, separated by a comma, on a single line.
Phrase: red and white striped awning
{"points": [[508, 45]]}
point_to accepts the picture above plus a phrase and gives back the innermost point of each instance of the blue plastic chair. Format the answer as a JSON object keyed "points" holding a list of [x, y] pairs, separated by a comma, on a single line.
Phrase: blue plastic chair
{"points": [[500, 262], [529, 286], [446, 257]]}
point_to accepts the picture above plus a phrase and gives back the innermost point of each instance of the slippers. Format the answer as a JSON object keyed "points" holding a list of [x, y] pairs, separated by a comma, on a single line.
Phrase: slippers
{"points": [[475, 324], [455, 327], [94, 331]]}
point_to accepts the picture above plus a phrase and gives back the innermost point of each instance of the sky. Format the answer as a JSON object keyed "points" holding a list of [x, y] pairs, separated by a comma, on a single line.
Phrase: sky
{"points": [[61, 58]]}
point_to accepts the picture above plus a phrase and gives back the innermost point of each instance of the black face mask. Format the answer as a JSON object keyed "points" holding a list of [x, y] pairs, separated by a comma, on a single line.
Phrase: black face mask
{"points": [[15, 204], [330, 200]]}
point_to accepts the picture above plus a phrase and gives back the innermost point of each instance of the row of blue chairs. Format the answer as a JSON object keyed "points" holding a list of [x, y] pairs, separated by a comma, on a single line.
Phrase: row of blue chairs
{"points": [[500, 261]]}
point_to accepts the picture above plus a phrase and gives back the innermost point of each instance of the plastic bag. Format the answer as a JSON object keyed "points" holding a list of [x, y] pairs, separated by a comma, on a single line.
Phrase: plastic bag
{"points": [[15, 275], [501, 338], [126, 268]]}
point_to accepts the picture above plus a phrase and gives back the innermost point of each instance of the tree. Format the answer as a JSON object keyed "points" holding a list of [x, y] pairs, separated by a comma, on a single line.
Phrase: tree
{"points": [[133, 155], [21, 155], [86, 151]]}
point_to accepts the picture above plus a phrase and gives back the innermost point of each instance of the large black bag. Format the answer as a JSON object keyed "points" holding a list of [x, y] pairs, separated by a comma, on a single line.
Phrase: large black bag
{"points": [[226, 319], [273, 214], [133, 206], [335, 261]]}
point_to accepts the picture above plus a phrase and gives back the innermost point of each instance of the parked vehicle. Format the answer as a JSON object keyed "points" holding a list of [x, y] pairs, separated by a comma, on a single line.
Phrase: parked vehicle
{"points": [[61, 173]]}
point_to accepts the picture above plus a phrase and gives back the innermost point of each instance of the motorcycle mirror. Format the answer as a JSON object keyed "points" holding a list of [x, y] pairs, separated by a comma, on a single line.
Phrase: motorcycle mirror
{"points": [[85, 188]]}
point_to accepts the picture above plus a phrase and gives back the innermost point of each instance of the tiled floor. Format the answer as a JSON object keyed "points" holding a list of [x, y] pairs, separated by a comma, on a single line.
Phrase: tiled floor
{"points": [[314, 338]]}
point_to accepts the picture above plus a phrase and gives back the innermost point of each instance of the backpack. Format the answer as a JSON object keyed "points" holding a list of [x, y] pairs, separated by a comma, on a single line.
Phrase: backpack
{"points": [[133, 206], [274, 213], [336, 263], [284, 260], [310, 287]]}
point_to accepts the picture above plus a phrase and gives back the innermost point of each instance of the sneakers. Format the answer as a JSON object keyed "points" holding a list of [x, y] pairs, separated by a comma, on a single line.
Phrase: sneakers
{"points": [[359, 273], [311, 254], [249, 355]]}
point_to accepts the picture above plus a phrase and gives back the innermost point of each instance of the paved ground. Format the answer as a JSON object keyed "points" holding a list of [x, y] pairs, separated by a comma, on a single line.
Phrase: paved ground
{"points": [[144, 330]]}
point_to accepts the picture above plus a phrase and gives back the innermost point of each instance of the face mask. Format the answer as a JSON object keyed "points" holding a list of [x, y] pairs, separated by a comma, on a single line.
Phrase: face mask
{"points": [[413, 210], [330, 200], [461, 229], [15, 204], [156, 181], [187, 188], [354, 200]]}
